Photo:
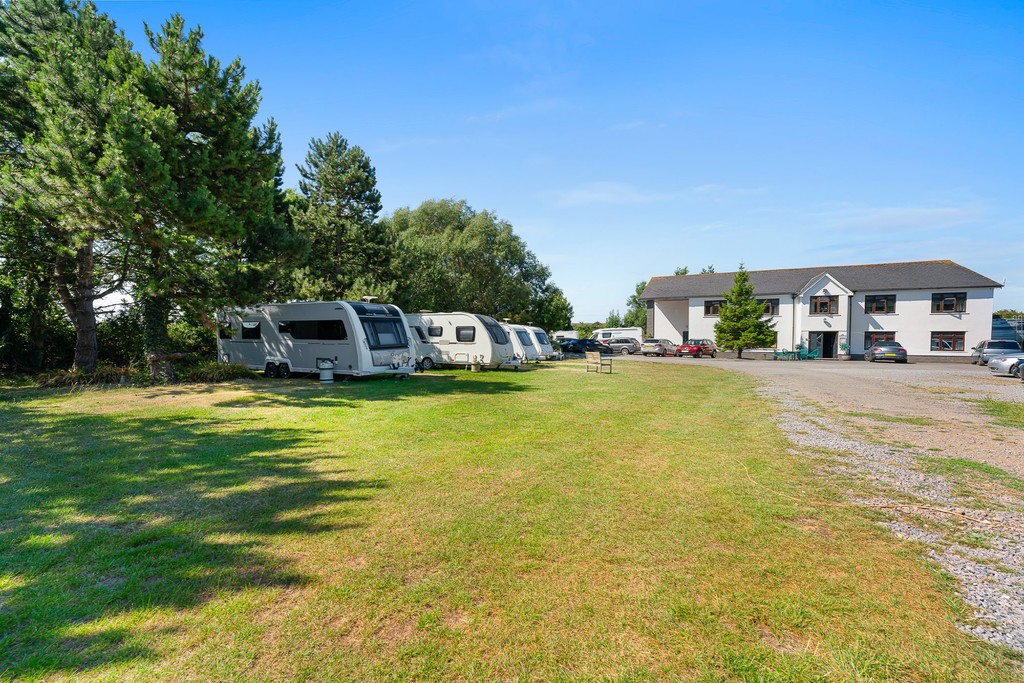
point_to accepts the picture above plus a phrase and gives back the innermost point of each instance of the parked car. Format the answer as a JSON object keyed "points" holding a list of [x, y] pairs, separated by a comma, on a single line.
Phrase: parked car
{"points": [[697, 348], [584, 345], [624, 345], [658, 347], [986, 350], [886, 350], [1006, 365]]}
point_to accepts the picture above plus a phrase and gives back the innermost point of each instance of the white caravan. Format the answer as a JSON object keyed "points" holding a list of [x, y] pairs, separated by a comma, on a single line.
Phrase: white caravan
{"points": [[603, 334], [428, 355], [522, 342], [358, 338], [465, 339], [542, 342], [562, 335]]}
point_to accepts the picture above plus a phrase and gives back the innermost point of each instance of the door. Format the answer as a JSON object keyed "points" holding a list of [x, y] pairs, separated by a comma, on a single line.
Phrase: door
{"points": [[824, 341]]}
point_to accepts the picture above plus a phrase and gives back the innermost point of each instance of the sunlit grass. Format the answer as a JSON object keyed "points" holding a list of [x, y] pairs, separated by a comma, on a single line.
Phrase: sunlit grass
{"points": [[542, 525], [1006, 413]]}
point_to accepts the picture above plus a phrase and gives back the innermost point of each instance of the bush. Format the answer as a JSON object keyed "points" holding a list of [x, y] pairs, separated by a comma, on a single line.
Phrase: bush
{"points": [[103, 374], [210, 372]]}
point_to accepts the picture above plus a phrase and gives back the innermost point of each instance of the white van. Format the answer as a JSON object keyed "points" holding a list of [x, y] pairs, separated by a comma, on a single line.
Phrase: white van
{"points": [[522, 342], [359, 338], [563, 335], [465, 339], [603, 334]]}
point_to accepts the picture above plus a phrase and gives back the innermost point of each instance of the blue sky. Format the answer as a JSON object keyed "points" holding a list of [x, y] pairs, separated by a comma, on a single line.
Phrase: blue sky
{"points": [[622, 140]]}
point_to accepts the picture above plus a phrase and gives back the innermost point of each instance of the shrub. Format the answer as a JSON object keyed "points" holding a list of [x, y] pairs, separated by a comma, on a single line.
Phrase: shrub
{"points": [[103, 374], [210, 372]]}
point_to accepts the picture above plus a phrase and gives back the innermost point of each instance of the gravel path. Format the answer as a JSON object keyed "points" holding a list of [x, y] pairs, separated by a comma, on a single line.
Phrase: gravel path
{"points": [[840, 406]]}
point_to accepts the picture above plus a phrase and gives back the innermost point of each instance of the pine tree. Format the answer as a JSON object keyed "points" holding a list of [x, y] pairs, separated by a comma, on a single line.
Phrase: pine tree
{"points": [[741, 323]]}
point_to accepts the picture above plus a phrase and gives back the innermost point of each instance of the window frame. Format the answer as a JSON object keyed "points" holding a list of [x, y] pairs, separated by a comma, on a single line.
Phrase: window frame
{"points": [[713, 308], [369, 326], [871, 300], [831, 300], [959, 302], [459, 329], [252, 336], [873, 337], [435, 330], [771, 307], [959, 339]]}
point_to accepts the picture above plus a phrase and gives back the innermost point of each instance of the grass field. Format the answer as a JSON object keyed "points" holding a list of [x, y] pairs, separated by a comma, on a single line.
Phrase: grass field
{"points": [[541, 525]]}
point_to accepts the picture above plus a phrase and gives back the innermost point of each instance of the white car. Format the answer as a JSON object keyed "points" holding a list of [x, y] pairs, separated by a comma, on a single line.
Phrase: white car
{"points": [[1008, 364]]}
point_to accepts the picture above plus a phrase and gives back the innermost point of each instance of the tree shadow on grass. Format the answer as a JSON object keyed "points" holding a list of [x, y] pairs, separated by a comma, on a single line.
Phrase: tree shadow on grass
{"points": [[104, 515], [300, 394]]}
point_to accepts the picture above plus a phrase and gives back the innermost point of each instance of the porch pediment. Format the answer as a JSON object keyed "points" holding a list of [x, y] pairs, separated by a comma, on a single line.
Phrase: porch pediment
{"points": [[825, 283]]}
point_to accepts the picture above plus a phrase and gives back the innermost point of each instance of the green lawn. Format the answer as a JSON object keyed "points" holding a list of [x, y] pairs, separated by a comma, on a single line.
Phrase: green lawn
{"points": [[541, 525]]}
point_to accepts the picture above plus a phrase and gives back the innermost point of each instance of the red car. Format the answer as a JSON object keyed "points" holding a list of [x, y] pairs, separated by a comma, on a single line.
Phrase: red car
{"points": [[697, 348]]}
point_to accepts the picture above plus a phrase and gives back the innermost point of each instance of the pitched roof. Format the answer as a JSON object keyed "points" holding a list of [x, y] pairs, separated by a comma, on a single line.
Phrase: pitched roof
{"points": [[870, 277]]}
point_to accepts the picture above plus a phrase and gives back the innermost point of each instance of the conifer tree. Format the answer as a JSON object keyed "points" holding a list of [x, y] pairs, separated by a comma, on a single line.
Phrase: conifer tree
{"points": [[741, 323]]}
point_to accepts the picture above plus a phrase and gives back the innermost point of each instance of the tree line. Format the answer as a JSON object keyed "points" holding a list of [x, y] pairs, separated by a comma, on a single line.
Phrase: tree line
{"points": [[154, 181]]}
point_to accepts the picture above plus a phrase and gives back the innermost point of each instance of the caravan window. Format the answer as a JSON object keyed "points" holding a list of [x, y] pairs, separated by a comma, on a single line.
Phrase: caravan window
{"points": [[543, 338], [435, 331], [465, 333], [314, 329], [498, 335], [419, 333], [251, 329], [524, 337], [226, 331], [384, 334]]}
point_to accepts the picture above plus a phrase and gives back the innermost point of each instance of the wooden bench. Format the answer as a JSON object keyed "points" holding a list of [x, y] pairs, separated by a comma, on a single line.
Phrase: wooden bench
{"points": [[598, 362]]}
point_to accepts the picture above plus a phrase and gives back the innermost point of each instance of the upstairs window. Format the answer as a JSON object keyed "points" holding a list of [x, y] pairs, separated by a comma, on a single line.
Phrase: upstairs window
{"points": [[949, 302], [712, 307], [824, 305], [771, 306], [880, 303]]}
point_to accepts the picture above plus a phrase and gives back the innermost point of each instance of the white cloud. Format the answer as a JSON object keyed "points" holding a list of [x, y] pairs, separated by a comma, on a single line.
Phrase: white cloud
{"points": [[610, 193]]}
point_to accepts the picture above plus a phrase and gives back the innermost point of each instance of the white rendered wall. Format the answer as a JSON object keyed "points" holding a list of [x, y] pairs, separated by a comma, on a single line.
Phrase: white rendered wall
{"points": [[913, 322], [671, 320], [703, 327]]}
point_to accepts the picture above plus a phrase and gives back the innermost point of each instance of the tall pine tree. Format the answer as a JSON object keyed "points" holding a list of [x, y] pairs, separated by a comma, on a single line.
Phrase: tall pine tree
{"points": [[741, 324]]}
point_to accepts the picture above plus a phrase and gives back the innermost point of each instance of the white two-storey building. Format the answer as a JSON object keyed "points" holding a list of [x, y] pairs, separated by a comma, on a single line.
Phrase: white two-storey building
{"points": [[933, 308]]}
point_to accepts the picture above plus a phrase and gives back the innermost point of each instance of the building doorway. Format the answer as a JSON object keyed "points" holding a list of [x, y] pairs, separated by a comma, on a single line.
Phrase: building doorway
{"points": [[825, 341]]}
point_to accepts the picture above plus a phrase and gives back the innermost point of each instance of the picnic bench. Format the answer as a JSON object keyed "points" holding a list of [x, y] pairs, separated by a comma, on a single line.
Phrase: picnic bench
{"points": [[598, 362]]}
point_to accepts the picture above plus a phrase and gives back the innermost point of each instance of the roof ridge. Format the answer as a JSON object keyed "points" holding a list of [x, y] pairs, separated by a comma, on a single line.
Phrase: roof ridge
{"points": [[823, 269]]}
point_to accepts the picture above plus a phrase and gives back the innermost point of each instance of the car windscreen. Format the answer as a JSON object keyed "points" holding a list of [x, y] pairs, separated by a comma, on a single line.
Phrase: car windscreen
{"points": [[384, 333], [652, 341], [524, 337], [498, 335]]}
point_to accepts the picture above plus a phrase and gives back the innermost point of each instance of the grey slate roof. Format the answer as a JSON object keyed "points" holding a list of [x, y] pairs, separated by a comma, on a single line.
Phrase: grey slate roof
{"points": [[938, 275]]}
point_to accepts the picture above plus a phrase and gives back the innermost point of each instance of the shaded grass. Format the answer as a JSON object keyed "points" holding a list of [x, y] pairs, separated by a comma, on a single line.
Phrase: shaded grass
{"points": [[546, 525], [1006, 413]]}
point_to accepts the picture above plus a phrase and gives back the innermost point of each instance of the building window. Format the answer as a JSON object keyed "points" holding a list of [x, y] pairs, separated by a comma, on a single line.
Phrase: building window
{"points": [[251, 329], [948, 341], [949, 302], [872, 338], [465, 333], [880, 303], [771, 306], [712, 307], [824, 305]]}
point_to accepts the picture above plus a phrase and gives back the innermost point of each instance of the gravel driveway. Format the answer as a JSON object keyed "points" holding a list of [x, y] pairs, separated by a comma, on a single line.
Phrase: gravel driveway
{"points": [[933, 469]]}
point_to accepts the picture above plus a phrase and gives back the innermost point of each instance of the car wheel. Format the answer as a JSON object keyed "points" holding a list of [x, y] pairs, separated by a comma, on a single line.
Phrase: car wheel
{"points": [[624, 350], [699, 354], [714, 353], [427, 363], [871, 360], [1015, 371], [270, 371]]}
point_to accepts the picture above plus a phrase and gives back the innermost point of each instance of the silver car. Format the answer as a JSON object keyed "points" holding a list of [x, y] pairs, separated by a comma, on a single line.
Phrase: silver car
{"points": [[1008, 364], [658, 347], [990, 348], [624, 345]]}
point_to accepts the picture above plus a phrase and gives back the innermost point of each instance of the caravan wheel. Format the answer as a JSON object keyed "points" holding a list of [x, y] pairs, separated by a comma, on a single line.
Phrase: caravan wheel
{"points": [[283, 371], [270, 370], [427, 363]]}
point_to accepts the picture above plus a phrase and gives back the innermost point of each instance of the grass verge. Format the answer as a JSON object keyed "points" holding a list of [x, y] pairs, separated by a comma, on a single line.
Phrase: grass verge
{"points": [[1006, 413], [539, 525]]}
